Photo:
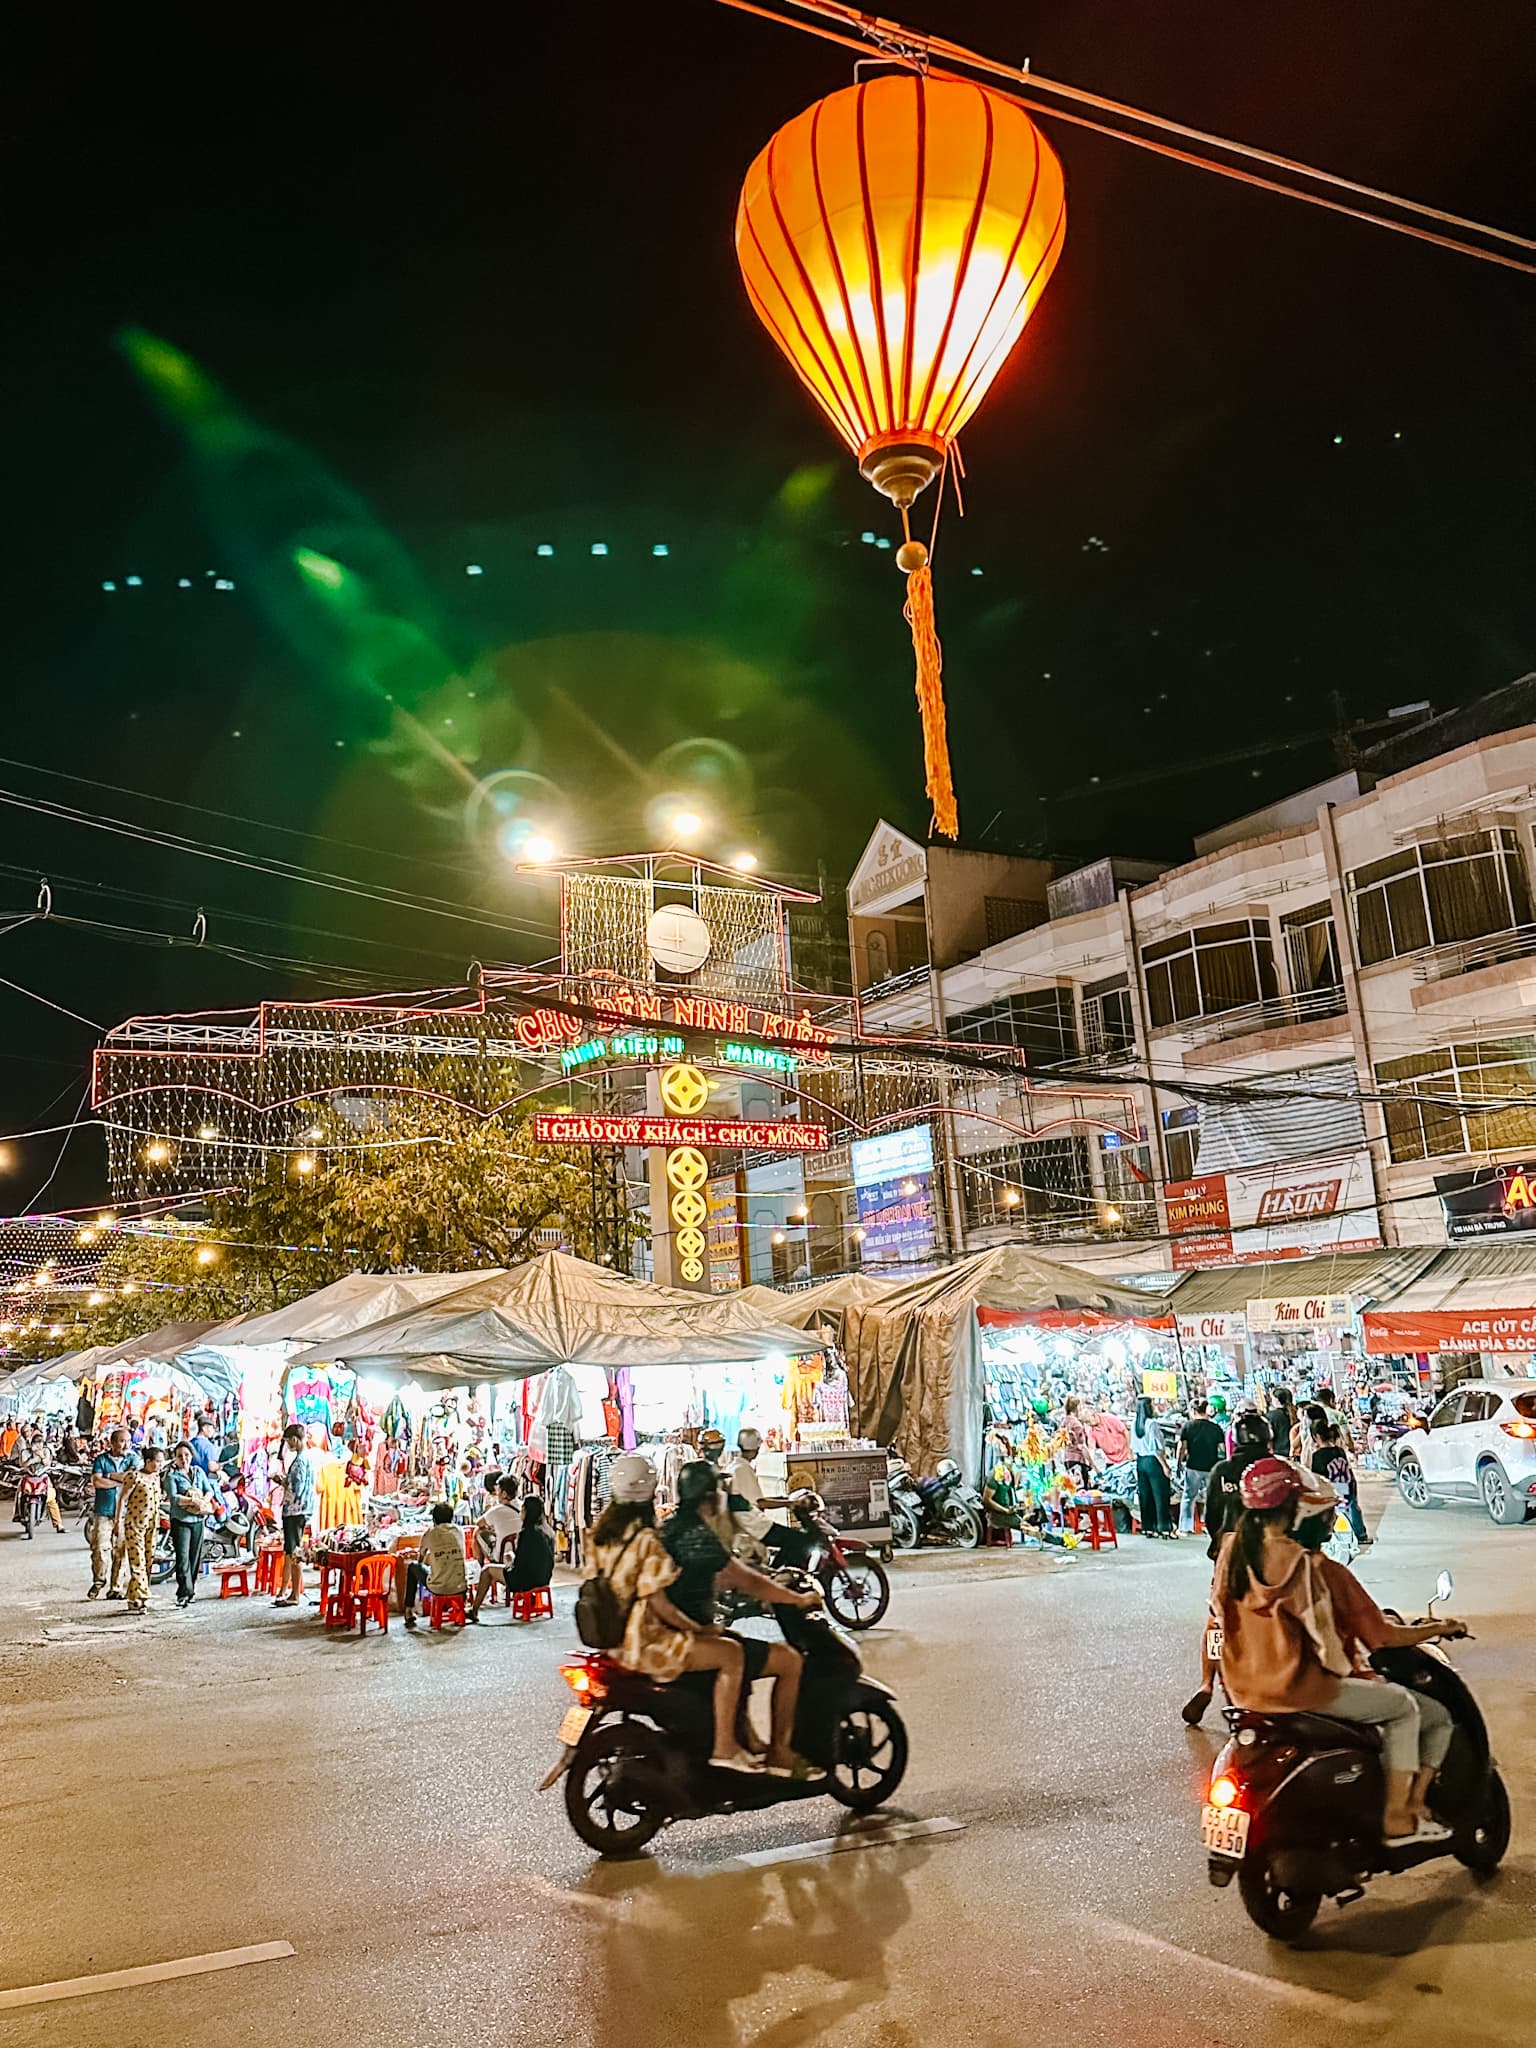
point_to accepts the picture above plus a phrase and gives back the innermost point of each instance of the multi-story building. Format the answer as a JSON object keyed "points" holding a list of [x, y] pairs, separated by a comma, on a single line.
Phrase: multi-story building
{"points": [[1326, 1022]]}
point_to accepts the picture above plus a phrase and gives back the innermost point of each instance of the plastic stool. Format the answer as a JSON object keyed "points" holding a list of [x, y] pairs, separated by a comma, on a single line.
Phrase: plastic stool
{"points": [[266, 1567], [1101, 1523], [443, 1607], [228, 1573], [1001, 1539], [535, 1602]]}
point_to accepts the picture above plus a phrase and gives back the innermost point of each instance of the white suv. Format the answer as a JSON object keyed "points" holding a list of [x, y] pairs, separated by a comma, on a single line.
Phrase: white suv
{"points": [[1480, 1444]]}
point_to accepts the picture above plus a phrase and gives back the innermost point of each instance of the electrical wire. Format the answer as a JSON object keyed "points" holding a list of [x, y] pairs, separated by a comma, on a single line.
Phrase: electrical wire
{"points": [[916, 49], [290, 871]]}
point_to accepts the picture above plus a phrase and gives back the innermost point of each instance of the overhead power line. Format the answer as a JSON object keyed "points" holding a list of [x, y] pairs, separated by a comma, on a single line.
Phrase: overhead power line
{"points": [[874, 36]]}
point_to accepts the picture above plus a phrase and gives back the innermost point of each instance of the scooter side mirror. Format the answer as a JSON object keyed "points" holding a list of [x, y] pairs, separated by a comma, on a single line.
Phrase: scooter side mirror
{"points": [[1445, 1586]]}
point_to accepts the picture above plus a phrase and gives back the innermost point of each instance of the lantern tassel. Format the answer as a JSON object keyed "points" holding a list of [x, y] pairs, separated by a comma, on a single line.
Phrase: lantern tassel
{"points": [[930, 699]]}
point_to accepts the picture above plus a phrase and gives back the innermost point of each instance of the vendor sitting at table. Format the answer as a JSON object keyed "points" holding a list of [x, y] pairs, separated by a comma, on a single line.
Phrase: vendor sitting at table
{"points": [[438, 1565], [532, 1561]]}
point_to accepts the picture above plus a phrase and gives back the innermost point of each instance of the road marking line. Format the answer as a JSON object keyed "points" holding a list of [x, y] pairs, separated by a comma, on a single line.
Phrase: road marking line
{"points": [[836, 1845], [1337, 2004], [145, 1973]]}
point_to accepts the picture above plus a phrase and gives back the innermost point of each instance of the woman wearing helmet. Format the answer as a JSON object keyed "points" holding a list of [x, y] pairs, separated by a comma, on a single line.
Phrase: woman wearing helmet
{"points": [[694, 1543], [1223, 1505], [1295, 1625], [659, 1639]]}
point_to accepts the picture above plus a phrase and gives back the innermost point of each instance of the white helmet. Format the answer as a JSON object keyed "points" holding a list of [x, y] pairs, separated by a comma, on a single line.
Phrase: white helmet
{"points": [[632, 1478]]}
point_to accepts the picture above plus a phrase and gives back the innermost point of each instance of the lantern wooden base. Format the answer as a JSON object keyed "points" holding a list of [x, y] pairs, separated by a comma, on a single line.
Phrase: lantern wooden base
{"points": [[901, 466]]}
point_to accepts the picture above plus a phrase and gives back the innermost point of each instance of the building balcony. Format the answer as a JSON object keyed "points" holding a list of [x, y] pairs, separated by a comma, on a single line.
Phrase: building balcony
{"points": [[1317, 1006], [1467, 956], [895, 984]]}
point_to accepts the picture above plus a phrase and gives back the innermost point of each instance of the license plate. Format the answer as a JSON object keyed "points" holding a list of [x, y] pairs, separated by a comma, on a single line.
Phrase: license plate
{"points": [[1214, 1638], [574, 1726], [1224, 1831]]}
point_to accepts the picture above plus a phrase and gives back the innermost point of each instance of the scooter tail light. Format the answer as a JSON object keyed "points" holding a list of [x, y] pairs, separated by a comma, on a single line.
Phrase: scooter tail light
{"points": [[1526, 1430], [1225, 1791], [585, 1683]]}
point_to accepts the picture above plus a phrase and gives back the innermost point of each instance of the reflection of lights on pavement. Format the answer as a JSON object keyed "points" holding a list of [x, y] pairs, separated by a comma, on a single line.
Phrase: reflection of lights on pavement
{"points": [[538, 848], [744, 863], [686, 825]]}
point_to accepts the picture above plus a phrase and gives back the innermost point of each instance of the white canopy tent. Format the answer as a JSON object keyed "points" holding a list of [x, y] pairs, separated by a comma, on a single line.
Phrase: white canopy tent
{"points": [[556, 1310], [225, 1351]]}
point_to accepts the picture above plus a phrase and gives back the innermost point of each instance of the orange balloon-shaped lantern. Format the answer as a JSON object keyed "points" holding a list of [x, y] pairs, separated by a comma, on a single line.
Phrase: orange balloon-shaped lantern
{"points": [[894, 239]]}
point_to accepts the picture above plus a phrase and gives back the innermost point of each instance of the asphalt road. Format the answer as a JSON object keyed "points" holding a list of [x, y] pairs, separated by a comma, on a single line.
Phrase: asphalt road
{"points": [[199, 1783]]}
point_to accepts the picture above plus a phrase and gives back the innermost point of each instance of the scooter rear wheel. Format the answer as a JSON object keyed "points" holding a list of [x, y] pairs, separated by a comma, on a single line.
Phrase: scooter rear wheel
{"points": [[1481, 1846], [1285, 1915], [903, 1528], [614, 1819], [858, 1595]]}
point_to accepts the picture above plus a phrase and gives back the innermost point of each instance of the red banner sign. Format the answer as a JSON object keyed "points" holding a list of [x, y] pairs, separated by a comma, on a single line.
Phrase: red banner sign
{"points": [[571, 1129], [1500, 1331]]}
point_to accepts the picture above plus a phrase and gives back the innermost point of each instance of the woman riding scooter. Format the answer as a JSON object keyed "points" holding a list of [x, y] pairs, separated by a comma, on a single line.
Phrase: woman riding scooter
{"points": [[1285, 1615], [660, 1640]]}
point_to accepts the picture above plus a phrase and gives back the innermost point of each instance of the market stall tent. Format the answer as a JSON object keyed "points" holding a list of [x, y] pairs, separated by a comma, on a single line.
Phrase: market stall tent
{"points": [[821, 1306], [913, 1353], [558, 1310], [226, 1352]]}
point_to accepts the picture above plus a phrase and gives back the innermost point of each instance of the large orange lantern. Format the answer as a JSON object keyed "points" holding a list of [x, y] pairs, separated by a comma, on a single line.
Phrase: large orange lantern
{"points": [[894, 239]]}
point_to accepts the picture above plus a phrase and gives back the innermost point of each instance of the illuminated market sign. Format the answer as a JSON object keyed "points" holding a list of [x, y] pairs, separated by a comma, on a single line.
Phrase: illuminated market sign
{"points": [[762, 1058], [629, 1045], [546, 1030], [571, 1129]]}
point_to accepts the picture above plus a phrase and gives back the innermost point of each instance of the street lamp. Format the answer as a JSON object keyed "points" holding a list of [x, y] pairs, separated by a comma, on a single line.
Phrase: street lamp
{"points": [[744, 863], [539, 848], [686, 825]]}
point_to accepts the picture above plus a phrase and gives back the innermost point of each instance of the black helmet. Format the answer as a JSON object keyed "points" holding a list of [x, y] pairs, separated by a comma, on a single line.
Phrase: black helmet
{"points": [[697, 1482], [1251, 1431]]}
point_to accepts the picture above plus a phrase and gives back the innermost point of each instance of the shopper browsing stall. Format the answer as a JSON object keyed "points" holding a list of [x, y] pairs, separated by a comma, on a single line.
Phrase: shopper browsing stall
{"points": [[1153, 1491]]}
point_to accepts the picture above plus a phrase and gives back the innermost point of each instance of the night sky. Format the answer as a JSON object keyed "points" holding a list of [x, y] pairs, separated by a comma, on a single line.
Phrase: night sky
{"points": [[448, 287]]}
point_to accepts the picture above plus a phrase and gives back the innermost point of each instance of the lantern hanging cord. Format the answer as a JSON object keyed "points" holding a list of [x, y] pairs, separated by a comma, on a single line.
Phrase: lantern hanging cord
{"points": [[912, 47]]}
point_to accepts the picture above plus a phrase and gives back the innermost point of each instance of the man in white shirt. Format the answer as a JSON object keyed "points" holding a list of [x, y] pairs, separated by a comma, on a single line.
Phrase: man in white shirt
{"points": [[496, 1535], [748, 1502]]}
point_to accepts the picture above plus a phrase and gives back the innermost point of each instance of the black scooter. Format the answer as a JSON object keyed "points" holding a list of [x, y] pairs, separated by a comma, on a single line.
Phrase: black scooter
{"points": [[635, 1753], [1294, 1806]]}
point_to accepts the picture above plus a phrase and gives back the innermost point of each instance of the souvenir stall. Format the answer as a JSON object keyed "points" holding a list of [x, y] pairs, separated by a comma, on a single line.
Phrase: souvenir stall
{"points": [[919, 1355], [602, 1363]]}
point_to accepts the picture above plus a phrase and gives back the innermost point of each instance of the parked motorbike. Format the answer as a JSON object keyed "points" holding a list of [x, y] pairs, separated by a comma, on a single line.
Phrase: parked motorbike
{"points": [[1293, 1810], [852, 1579], [227, 1539], [941, 1509], [11, 1470], [635, 1753], [72, 1488]]}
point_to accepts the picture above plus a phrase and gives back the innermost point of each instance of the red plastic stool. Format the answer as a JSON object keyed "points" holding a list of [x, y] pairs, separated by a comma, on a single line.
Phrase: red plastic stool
{"points": [[1101, 1523], [443, 1607], [996, 1538], [267, 1559], [528, 1606], [228, 1573]]}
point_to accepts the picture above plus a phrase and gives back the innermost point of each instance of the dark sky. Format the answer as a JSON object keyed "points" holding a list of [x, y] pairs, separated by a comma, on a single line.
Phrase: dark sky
{"points": [[464, 279]]}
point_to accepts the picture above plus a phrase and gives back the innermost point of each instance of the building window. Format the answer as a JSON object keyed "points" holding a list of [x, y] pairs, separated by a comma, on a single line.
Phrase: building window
{"points": [[1432, 1106], [911, 944], [1040, 1023], [1203, 972], [1446, 889], [1007, 916], [1311, 950], [1046, 1182], [1181, 1141], [1109, 1023]]}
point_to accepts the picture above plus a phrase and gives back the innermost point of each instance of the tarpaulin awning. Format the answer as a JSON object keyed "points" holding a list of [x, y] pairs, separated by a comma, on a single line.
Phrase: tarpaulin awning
{"points": [[342, 1307], [1483, 1300], [556, 1310], [1364, 1276], [914, 1353], [153, 1347]]}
